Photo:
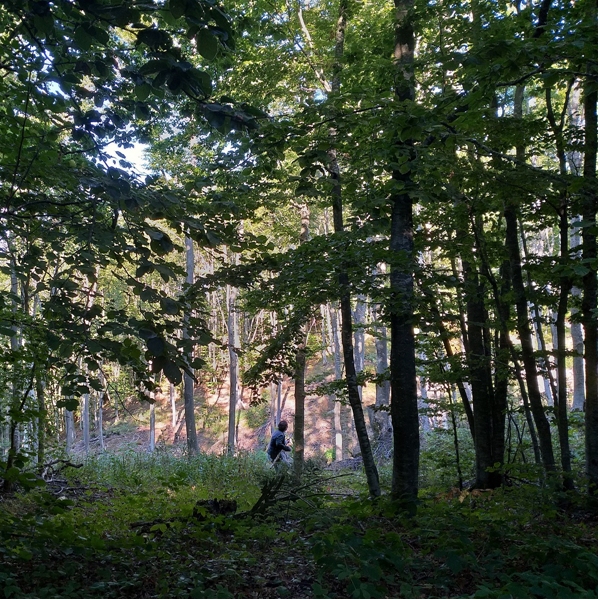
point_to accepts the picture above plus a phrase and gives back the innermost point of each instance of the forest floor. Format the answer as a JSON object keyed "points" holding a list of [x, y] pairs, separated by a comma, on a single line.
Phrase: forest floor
{"points": [[158, 526], [128, 523]]}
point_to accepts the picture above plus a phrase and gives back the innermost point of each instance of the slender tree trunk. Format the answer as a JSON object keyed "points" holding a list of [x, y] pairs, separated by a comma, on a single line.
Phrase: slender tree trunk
{"points": [[565, 288], [345, 302], [300, 368], [188, 381], [324, 336], [337, 407], [382, 390], [69, 431], [589, 306], [173, 406], [535, 398], [445, 337], [233, 338], [152, 433], [578, 363], [40, 387], [85, 421], [359, 336], [478, 367]]}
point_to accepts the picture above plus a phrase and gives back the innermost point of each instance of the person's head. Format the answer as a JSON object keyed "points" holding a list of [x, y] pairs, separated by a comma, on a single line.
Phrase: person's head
{"points": [[282, 425]]}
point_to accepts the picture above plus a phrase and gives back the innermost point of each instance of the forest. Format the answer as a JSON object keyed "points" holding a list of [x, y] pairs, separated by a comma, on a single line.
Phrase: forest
{"points": [[375, 220]]}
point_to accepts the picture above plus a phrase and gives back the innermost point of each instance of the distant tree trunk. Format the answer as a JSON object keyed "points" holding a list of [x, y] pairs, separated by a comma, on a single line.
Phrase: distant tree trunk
{"points": [[173, 406], [477, 359], [381, 418], [300, 368], [337, 407], [565, 288], [403, 383], [152, 438], [102, 396], [325, 327], [529, 363], [578, 363], [575, 160], [359, 336], [85, 421], [40, 388], [69, 431], [549, 380], [188, 381], [279, 404], [233, 339], [445, 337], [589, 305]]}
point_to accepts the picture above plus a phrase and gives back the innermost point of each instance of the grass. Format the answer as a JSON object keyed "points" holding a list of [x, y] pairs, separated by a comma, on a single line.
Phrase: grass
{"points": [[123, 527]]}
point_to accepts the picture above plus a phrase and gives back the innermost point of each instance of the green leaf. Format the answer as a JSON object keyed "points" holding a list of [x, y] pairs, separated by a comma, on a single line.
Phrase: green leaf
{"points": [[172, 373], [158, 362], [142, 91], [207, 44], [177, 8], [156, 346], [169, 306]]}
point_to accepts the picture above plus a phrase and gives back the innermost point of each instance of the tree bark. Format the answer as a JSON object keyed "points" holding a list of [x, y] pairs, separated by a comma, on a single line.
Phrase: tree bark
{"points": [[403, 374], [152, 433], [300, 367], [188, 381], [233, 339], [337, 407], [590, 279]]}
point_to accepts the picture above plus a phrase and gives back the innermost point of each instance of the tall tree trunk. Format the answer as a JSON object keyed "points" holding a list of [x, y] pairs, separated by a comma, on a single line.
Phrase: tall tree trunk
{"points": [[403, 374], [345, 301], [565, 288], [589, 305], [188, 381]]}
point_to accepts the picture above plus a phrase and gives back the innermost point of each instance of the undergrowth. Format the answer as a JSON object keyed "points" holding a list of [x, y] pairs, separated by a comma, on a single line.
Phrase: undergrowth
{"points": [[129, 527]]}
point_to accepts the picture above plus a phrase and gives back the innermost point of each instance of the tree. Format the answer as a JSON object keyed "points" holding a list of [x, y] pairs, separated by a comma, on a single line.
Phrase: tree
{"points": [[404, 410]]}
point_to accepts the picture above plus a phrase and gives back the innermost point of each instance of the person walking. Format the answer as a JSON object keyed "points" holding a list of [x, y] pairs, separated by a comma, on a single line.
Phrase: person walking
{"points": [[277, 445]]}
